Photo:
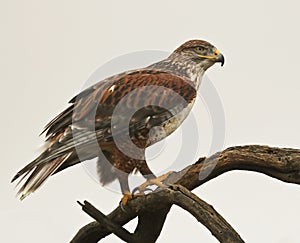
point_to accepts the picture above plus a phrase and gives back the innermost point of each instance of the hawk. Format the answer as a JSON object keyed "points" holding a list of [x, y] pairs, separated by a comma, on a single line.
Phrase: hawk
{"points": [[116, 119]]}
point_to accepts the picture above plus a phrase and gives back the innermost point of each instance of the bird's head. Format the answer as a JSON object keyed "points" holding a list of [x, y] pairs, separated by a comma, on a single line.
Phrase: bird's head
{"points": [[200, 52]]}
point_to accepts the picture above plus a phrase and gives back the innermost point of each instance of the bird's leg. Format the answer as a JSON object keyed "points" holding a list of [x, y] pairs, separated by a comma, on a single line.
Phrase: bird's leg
{"points": [[127, 195], [151, 179]]}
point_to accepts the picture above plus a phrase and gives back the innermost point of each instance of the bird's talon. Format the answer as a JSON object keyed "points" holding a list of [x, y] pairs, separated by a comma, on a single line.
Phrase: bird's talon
{"points": [[140, 191], [126, 197], [122, 207], [148, 189], [136, 189]]}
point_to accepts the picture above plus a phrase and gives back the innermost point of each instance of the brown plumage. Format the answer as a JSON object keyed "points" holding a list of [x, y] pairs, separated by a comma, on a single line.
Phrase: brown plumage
{"points": [[112, 119]]}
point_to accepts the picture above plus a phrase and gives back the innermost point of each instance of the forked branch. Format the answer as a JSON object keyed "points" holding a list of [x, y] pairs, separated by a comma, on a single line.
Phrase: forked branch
{"points": [[280, 163]]}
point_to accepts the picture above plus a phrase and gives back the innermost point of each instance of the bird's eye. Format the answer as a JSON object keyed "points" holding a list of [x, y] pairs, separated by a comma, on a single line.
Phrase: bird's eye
{"points": [[199, 49]]}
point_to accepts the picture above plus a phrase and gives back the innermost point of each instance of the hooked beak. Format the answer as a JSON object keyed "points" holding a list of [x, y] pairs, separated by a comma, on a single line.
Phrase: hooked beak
{"points": [[216, 57], [219, 57]]}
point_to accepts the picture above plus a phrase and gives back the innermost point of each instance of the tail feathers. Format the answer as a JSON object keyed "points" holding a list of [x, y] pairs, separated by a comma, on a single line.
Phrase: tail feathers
{"points": [[24, 171], [38, 174]]}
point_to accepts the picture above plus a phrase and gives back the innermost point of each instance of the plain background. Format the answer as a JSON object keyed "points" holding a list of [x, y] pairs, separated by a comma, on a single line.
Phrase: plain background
{"points": [[49, 48]]}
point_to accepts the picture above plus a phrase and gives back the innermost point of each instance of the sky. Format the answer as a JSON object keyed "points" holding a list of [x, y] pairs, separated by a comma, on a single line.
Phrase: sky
{"points": [[51, 49]]}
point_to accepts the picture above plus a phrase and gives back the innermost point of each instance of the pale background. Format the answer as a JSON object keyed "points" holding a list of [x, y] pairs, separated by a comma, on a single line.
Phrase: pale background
{"points": [[49, 48]]}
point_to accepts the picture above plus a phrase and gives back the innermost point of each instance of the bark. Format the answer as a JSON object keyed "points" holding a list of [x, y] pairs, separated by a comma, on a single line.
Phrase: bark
{"points": [[280, 163]]}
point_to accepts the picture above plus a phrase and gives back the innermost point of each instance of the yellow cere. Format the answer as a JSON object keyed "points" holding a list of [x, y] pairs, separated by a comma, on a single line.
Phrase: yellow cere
{"points": [[217, 52]]}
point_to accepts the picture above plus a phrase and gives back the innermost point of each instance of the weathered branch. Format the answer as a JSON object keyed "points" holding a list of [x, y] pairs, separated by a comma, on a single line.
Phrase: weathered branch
{"points": [[280, 163], [205, 214], [119, 231], [175, 194]]}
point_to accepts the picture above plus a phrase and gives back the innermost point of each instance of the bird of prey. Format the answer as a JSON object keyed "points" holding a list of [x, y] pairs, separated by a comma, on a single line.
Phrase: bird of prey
{"points": [[116, 119]]}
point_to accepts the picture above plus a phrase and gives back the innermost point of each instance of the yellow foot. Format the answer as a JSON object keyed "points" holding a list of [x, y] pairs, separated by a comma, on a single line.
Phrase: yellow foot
{"points": [[126, 197], [154, 181]]}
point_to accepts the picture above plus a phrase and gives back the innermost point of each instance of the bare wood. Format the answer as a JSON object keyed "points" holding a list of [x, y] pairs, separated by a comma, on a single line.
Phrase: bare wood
{"points": [[205, 214], [119, 231], [175, 194], [280, 163]]}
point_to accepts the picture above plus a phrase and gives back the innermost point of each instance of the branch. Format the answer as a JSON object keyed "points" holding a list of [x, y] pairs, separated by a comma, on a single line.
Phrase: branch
{"points": [[175, 194], [205, 214], [280, 163], [122, 233]]}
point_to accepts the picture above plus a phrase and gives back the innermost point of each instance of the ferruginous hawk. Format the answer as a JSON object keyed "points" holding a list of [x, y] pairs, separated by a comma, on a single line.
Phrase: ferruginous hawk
{"points": [[116, 119]]}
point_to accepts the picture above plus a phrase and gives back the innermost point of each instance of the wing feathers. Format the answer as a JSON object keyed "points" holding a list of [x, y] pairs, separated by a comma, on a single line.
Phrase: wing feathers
{"points": [[90, 115]]}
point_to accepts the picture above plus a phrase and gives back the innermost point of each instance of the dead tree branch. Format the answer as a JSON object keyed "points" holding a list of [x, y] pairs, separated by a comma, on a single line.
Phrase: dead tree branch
{"points": [[280, 163], [119, 231], [177, 195]]}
